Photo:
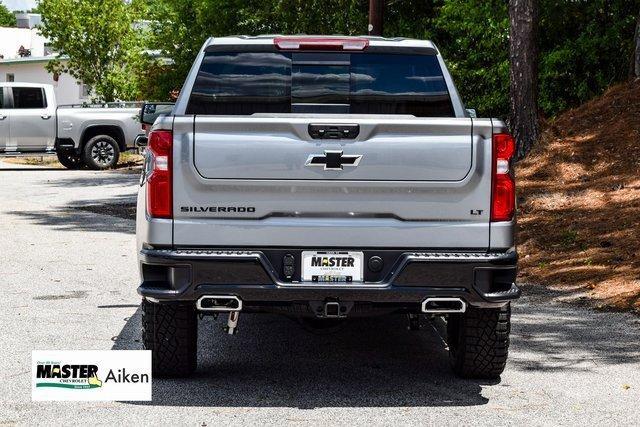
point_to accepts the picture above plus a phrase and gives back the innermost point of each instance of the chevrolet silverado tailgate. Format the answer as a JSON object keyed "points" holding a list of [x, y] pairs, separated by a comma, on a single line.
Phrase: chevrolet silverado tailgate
{"points": [[419, 182]]}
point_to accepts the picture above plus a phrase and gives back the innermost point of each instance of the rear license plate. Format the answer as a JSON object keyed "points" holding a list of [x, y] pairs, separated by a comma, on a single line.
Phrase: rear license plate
{"points": [[332, 266]]}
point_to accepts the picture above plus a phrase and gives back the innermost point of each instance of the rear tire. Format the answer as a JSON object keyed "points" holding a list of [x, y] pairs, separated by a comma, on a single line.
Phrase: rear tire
{"points": [[69, 159], [101, 152], [170, 331], [479, 342]]}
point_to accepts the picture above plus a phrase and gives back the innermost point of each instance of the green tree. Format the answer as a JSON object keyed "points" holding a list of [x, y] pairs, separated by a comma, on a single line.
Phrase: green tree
{"points": [[104, 51], [473, 36], [585, 47], [7, 18]]}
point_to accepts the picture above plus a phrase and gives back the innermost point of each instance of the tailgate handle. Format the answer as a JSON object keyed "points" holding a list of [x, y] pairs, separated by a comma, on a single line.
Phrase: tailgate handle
{"points": [[334, 131]]}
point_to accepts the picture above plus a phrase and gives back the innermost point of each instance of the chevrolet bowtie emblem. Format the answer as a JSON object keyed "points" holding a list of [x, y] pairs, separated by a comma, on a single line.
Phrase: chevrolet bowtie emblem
{"points": [[333, 160]]}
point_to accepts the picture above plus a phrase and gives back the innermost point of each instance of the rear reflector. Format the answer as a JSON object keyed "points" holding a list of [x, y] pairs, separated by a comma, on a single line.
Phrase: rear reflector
{"points": [[321, 43], [159, 185], [503, 195]]}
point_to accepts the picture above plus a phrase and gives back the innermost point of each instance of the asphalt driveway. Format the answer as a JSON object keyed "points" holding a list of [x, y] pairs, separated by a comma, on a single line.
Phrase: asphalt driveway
{"points": [[69, 275]]}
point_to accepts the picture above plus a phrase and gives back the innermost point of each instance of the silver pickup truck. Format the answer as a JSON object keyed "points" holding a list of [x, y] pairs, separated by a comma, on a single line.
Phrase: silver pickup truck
{"points": [[32, 123], [326, 178]]}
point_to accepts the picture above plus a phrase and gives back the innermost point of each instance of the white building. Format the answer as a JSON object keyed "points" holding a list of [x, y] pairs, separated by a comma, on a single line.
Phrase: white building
{"points": [[31, 69], [12, 38]]}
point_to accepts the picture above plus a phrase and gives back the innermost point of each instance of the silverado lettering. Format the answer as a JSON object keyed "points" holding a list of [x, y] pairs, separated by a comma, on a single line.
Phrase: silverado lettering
{"points": [[214, 209]]}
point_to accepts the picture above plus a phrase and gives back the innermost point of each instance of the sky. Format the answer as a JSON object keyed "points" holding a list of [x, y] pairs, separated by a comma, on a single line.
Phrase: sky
{"points": [[19, 4]]}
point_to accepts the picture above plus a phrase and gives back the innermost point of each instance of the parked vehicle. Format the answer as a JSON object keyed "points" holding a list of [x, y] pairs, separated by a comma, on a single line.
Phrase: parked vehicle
{"points": [[32, 123], [326, 178]]}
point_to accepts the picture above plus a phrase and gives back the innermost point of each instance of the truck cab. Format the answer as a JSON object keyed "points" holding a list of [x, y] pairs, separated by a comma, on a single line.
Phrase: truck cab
{"points": [[27, 118]]}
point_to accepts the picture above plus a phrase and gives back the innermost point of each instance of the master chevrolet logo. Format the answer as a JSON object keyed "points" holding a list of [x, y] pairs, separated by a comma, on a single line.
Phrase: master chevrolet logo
{"points": [[80, 376], [68, 376], [332, 261], [91, 375], [333, 160]]}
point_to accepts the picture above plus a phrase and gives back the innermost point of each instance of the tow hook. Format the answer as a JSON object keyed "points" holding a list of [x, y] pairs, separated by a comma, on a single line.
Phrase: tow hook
{"points": [[332, 309]]}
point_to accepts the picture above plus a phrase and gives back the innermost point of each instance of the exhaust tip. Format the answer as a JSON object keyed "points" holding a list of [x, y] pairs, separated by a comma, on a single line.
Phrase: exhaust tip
{"points": [[224, 303], [444, 305]]}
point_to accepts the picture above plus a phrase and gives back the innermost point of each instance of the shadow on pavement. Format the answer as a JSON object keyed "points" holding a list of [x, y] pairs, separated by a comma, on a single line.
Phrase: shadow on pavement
{"points": [[274, 362], [96, 179], [113, 213], [377, 362], [80, 214]]}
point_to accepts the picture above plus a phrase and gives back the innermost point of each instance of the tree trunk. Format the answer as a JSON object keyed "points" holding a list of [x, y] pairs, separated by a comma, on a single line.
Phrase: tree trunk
{"points": [[635, 66], [523, 73]]}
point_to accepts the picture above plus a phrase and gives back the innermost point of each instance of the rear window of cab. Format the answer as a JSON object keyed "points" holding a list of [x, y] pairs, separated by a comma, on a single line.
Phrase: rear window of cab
{"points": [[244, 83]]}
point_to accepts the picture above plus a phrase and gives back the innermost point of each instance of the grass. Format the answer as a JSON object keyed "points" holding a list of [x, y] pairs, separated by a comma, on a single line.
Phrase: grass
{"points": [[128, 159], [569, 238], [49, 161]]}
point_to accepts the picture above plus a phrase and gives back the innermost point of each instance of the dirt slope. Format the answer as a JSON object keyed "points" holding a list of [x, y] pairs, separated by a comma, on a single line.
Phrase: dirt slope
{"points": [[579, 203]]}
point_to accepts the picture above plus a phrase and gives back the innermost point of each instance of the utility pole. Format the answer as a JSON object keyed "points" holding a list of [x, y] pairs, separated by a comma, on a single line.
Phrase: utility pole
{"points": [[376, 9]]}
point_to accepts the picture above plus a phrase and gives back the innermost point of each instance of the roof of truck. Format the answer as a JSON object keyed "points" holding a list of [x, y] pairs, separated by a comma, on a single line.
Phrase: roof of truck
{"points": [[268, 39]]}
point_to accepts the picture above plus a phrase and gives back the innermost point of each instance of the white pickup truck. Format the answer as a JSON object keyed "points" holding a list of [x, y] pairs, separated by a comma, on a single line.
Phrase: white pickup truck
{"points": [[31, 122]]}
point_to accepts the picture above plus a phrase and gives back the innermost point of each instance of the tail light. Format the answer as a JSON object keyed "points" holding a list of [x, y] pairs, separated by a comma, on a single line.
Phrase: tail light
{"points": [[503, 195], [321, 43], [159, 183]]}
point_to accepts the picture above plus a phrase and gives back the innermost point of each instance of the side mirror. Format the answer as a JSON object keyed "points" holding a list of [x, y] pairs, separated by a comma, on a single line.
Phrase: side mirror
{"points": [[151, 111], [472, 113]]}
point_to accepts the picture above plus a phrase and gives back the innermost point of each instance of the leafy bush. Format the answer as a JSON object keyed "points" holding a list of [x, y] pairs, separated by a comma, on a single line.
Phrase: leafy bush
{"points": [[585, 47]]}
